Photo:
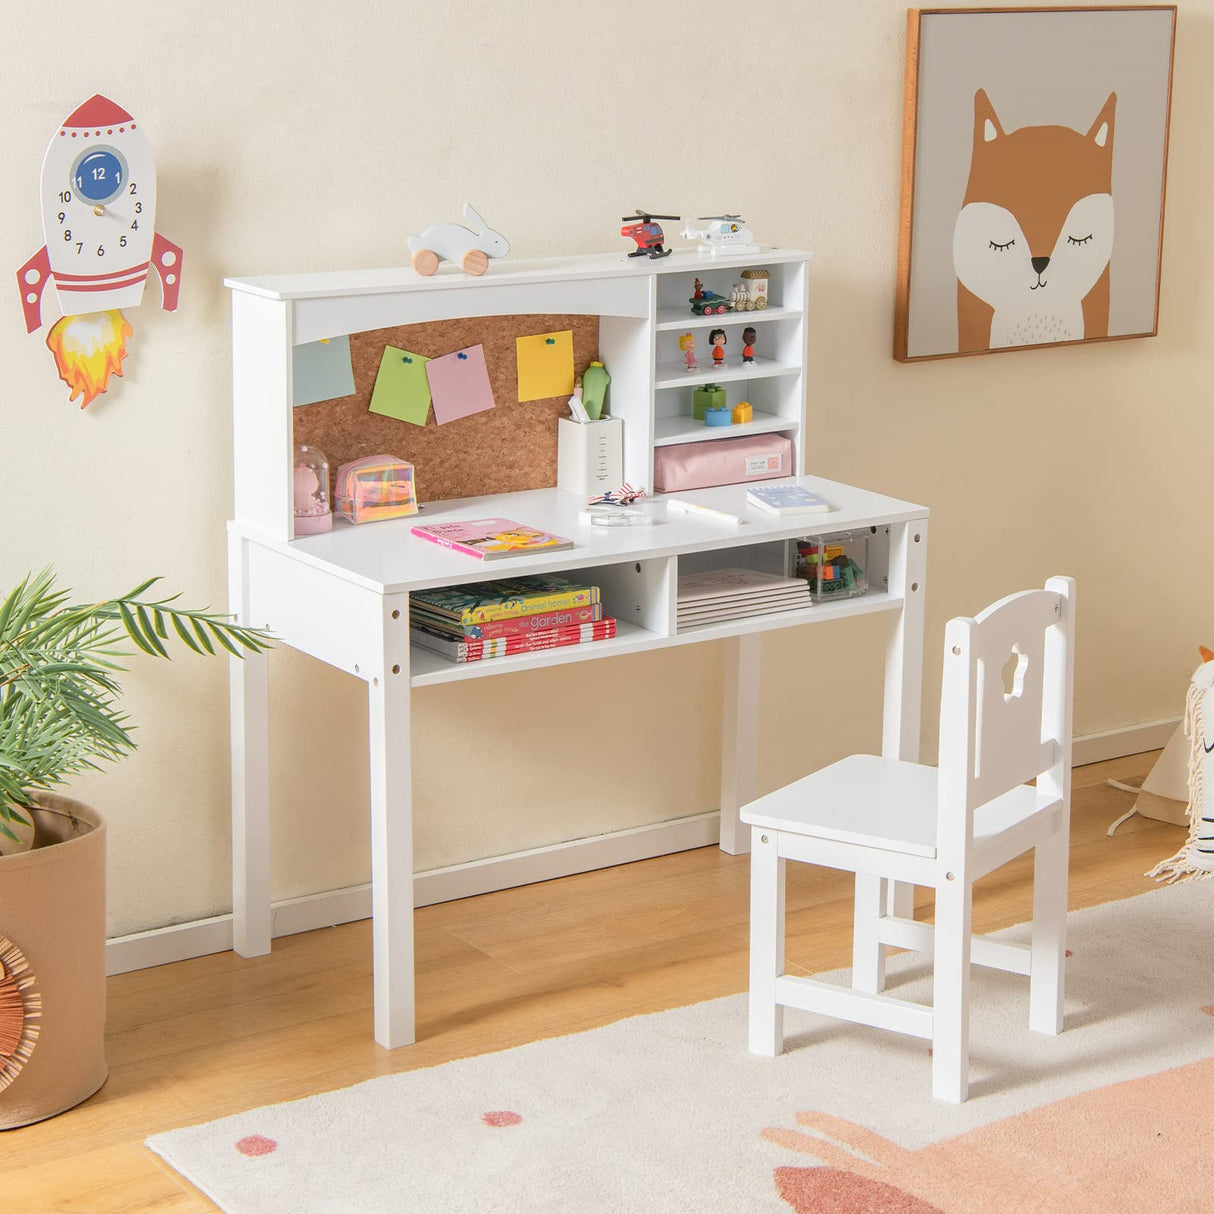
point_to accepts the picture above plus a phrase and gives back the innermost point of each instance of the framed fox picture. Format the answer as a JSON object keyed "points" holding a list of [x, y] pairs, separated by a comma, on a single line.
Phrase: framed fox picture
{"points": [[1035, 149]]}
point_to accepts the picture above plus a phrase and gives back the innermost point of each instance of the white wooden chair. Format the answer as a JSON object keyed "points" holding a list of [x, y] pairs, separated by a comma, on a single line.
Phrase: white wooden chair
{"points": [[1005, 718]]}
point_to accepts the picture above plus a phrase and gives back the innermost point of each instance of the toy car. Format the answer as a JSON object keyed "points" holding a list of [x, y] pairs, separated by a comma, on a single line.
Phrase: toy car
{"points": [[709, 303]]}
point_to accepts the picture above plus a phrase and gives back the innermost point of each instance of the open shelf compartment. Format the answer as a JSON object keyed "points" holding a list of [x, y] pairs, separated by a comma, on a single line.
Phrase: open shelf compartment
{"points": [[639, 595]]}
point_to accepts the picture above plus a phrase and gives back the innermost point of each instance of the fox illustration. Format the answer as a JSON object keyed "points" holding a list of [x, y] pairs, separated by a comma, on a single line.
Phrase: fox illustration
{"points": [[1033, 239]]}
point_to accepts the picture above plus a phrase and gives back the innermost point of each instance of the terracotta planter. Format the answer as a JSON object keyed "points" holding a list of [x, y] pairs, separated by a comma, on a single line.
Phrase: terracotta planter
{"points": [[52, 907]]}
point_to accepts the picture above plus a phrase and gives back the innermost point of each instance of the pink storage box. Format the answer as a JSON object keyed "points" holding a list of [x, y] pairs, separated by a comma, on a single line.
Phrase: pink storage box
{"points": [[725, 461]]}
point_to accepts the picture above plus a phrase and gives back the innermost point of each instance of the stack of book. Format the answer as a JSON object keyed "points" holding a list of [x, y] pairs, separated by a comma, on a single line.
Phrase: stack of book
{"points": [[725, 594], [512, 615]]}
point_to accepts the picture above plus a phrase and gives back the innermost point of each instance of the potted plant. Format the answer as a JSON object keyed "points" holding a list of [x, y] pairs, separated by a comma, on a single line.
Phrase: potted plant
{"points": [[59, 715]]}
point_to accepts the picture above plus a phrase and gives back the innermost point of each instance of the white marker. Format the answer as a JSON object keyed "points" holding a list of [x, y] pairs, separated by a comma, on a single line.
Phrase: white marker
{"points": [[721, 516]]}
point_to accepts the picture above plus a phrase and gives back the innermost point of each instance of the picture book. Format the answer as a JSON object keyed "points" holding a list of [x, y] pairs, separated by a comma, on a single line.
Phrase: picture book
{"points": [[504, 599], [786, 499], [481, 650], [491, 538], [520, 625]]}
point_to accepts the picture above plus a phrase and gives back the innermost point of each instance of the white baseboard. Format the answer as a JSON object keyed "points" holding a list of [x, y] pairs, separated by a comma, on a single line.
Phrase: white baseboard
{"points": [[164, 944], [1115, 743], [184, 940]]}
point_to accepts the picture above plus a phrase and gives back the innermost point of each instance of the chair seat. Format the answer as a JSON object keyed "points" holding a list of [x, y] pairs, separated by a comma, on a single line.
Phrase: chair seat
{"points": [[886, 803]]}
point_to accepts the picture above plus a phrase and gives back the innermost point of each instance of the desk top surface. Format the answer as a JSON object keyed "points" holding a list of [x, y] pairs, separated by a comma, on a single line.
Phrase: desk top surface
{"points": [[386, 557]]}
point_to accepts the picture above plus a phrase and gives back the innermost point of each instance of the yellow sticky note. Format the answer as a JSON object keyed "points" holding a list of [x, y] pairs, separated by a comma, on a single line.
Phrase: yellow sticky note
{"points": [[545, 365]]}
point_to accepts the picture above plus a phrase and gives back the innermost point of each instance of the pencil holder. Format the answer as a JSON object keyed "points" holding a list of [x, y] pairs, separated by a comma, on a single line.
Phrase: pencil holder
{"points": [[589, 455]]}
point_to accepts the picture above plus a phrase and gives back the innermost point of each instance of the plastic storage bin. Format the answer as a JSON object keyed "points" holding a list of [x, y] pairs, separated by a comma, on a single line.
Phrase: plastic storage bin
{"points": [[835, 565]]}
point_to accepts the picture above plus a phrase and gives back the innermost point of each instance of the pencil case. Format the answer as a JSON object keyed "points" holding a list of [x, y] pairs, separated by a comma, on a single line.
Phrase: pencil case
{"points": [[373, 488], [725, 461]]}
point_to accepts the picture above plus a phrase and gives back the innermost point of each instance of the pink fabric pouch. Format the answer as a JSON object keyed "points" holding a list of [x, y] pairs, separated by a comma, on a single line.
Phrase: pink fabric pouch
{"points": [[725, 461]]}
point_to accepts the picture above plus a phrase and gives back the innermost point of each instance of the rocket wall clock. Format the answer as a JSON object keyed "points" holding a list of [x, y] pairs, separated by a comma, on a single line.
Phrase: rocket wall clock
{"points": [[98, 217]]}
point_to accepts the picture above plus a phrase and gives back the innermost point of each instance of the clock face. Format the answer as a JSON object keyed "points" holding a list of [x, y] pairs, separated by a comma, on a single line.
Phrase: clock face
{"points": [[99, 174], [101, 217]]}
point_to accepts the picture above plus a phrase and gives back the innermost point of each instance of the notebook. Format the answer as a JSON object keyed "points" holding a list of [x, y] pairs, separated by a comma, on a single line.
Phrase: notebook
{"points": [[490, 539], [786, 499]]}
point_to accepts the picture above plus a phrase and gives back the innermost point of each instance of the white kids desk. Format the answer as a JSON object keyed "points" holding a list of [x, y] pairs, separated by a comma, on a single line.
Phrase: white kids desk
{"points": [[343, 597]]}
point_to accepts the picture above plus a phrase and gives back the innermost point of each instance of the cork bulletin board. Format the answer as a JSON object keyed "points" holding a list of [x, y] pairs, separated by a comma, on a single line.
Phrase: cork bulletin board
{"points": [[505, 449]]}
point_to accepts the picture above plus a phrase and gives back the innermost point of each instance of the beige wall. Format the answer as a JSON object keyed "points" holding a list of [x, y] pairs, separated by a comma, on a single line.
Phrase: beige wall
{"points": [[310, 136]]}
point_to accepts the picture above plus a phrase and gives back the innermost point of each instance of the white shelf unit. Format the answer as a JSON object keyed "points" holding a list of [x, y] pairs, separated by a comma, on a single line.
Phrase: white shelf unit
{"points": [[774, 383], [343, 597]]}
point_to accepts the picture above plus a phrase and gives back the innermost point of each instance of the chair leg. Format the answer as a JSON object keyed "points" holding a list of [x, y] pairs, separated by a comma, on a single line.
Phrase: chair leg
{"points": [[766, 943], [951, 991], [867, 951], [1047, 967]]}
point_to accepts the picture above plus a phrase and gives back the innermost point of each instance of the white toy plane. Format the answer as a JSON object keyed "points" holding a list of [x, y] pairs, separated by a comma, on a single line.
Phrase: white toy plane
{"points": [[720, 234]]}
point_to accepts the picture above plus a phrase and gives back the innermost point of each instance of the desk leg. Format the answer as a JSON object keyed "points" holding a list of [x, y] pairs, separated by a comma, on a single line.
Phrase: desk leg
{"points": [[904, 666], [392, 830], [249, 720], [739, 739]]}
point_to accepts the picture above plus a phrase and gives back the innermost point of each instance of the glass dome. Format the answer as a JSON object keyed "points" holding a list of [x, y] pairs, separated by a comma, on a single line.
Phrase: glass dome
{"points": [[313, 509]]}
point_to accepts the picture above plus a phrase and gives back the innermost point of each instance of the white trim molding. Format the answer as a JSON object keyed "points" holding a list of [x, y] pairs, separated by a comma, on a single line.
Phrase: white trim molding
{"points": [[162, 945], [327, 909], [1117, 743]]}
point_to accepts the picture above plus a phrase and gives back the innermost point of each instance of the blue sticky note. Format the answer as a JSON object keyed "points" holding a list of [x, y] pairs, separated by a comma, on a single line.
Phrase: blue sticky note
{"points": [[322, 371]]}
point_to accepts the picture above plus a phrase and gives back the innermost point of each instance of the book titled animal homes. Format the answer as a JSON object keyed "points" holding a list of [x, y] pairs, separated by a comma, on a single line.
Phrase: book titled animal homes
{"points": [[1034, 159]]}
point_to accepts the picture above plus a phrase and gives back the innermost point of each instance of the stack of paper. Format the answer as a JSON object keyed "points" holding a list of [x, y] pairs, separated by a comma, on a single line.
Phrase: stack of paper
{"points": [[725, 594]]}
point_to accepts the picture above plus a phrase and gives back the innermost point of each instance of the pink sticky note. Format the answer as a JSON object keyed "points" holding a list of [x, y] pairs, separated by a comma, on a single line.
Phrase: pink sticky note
{"points": [[459, 384]]}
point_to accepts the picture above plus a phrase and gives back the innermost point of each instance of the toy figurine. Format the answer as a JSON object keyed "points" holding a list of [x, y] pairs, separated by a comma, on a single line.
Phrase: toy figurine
{"points": [[648, 235], [719, 234], [749, 337], [697, 290], [594, 389], [717, 340], [687, 343], [451, 242], [310, 491]]}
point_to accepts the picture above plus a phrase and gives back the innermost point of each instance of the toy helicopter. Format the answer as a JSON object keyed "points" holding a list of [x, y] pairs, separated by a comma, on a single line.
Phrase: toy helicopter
{"points": [[648, 234], [720, 234]]}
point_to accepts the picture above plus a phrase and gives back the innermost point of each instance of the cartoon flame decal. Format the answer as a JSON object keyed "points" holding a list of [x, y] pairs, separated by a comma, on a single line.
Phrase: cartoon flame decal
{"points": [[88, 350]]}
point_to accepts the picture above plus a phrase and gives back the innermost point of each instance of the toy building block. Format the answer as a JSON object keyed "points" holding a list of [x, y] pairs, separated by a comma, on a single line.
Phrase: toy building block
{"points": [[718, 415], [705, 397], [743, 412]]}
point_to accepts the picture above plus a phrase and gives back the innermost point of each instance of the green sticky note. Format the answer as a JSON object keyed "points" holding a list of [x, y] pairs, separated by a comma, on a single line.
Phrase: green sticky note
{"points": [[401, 387]]}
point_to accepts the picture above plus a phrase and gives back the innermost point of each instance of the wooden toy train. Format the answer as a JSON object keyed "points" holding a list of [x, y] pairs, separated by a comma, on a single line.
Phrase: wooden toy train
{"points": [[749, 295]]}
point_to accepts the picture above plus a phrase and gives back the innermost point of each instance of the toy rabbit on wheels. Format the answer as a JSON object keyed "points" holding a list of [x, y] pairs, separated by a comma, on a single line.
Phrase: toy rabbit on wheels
{"points": [[451, 242]]}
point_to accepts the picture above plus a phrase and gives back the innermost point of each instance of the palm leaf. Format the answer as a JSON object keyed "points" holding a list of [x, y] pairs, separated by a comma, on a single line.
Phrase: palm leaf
{"points": [[59, 714]]}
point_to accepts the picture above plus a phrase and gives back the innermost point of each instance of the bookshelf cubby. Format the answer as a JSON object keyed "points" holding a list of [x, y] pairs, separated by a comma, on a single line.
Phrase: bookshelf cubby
{"points": [[343, 597]]}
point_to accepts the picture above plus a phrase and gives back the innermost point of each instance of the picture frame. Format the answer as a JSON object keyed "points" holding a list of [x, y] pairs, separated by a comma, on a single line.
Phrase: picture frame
{"points": [[1035, 146]]}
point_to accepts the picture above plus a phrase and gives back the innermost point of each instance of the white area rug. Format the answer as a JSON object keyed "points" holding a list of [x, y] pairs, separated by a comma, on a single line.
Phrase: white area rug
{"points": [[667, 1112]]}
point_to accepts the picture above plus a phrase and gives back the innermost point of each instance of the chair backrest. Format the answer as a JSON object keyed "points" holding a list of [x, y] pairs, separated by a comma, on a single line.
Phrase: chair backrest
{"points": [[1005, 704]]}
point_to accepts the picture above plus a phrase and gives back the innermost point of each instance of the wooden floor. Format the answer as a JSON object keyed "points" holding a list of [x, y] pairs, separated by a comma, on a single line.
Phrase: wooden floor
{"points": [[201, 1039]]}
